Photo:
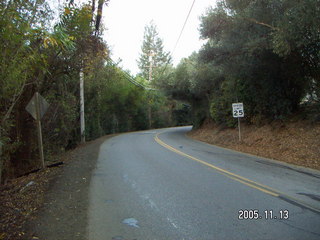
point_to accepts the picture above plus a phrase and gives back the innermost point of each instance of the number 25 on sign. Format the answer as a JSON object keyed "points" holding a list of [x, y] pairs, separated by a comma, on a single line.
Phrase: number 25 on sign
{"points": [[237, 110]]}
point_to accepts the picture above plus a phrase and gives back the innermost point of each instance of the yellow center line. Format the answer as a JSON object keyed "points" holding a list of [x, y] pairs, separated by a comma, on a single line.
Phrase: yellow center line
{"points": [[231, 175], [238, 178]]}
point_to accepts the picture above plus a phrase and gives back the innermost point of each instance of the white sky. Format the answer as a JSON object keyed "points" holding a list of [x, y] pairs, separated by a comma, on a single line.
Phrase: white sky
{"points": [[125, 21]]}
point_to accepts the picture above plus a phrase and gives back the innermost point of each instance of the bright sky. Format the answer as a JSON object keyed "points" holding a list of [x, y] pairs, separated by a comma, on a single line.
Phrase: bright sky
{"points": [[125, 21]]}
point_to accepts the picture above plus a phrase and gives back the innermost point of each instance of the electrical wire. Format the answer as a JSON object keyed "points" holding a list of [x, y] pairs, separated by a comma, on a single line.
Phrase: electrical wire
{"points": [[129, 78], [176, 44], [184, 24]]}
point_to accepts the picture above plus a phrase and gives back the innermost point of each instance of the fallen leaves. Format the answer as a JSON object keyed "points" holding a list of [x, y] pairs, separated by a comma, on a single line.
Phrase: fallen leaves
{"points": [[19, 199], [295, 142]]}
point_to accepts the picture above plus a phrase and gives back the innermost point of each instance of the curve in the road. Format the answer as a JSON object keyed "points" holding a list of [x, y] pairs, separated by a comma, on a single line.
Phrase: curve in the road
{"points": [[238, 178]]}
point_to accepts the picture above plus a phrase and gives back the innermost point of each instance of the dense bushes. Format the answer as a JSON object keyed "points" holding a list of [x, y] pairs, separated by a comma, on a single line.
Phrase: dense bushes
{"points": [[265, 54], [36, 56]]}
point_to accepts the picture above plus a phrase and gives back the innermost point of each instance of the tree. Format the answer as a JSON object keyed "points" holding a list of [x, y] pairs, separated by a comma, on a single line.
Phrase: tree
{"points": [[38, 57], [24, 26], [242, 43], [152, 57], [263, 53]]}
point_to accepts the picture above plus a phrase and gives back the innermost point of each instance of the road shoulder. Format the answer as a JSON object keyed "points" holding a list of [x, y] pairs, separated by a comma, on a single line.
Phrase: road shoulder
{"points": [[63, 214]]}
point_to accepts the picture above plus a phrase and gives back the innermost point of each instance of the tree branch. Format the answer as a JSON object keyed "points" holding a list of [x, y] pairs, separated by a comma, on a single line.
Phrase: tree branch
{"points": [[263, 24], [15, 100]]}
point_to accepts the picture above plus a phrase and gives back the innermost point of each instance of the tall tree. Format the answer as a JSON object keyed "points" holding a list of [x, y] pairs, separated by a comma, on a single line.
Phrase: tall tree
{"points": [[263, 53], [152, 57]]}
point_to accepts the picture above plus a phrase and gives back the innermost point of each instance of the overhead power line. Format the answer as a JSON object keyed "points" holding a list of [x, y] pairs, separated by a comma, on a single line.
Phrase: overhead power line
{"points": [[129, 78], [175, 46], [184, 24]]}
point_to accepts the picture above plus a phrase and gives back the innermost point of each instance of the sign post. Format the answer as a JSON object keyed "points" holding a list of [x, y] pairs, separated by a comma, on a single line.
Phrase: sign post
{"points": [[238, 112], [0, 158], [82, 121], [37, 108], [38, 119]]}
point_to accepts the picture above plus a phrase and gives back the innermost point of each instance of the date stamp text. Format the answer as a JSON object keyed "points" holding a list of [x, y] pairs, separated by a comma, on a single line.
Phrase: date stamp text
{"points": [[254, 214]]}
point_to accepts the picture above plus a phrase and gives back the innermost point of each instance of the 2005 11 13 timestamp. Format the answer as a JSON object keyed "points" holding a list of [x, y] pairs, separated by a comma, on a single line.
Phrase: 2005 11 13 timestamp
{"points": [[254, 214]]}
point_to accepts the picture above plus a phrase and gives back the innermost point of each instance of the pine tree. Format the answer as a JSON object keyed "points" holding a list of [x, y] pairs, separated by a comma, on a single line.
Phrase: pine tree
{"points": [[152, 52]]}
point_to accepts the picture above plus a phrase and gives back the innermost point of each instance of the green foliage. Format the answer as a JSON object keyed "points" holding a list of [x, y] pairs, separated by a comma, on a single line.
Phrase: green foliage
{"points": [[118, 106], [182, 114], [221, 99], [23, 27], [262, 53], [152, 53], [36, 56]]}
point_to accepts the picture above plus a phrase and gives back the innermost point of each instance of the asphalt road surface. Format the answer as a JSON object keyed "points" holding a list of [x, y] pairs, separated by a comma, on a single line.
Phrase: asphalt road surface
{"points": [[160, 184]]}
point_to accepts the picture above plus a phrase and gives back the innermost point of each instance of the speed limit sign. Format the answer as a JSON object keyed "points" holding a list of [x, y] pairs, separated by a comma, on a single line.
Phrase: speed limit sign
{"points": [[237, 110]]}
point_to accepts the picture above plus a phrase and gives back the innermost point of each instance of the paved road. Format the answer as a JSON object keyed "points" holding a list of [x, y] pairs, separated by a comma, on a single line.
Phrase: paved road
{"points": [[160, 184]]}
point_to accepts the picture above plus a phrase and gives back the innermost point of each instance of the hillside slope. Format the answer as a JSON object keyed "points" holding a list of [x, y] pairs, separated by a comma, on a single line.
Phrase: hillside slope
{"points": [[293, 142]]}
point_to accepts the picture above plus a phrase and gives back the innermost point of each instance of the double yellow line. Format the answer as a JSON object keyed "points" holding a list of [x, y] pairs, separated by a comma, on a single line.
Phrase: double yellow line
{"points": [[236, 177]]}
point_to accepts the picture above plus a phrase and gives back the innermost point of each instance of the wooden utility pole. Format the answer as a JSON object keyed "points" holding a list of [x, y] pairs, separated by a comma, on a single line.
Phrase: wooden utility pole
{"points": [[151, 54], [82, 122]]}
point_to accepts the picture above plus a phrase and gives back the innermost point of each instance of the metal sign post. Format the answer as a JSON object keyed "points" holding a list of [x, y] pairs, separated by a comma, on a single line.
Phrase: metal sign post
{"points": [[82, 121], [37, 108], [239, 129], [238, 112], [1, 160], [38, 120]]}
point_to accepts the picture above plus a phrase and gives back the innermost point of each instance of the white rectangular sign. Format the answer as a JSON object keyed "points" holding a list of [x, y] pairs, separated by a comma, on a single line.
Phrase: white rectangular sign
{"points": [[237, 110]]}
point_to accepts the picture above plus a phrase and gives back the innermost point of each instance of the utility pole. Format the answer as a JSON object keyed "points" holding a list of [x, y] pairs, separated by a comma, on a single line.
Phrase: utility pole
{"points": [[82, 124], [151, 54]]}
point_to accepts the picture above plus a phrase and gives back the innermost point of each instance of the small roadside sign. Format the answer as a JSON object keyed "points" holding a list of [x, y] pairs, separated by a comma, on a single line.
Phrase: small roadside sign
{"points": [[237, 110], [31, 107], [37, 107]]}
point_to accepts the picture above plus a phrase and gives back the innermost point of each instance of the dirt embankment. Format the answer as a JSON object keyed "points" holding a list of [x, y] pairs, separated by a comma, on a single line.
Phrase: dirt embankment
{"points": [[292, 142]]}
